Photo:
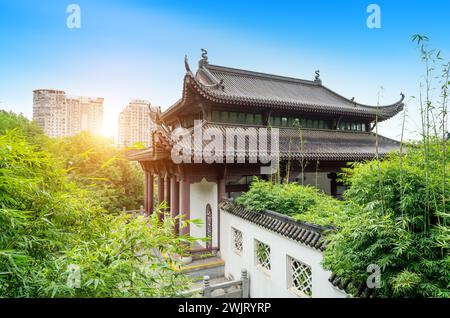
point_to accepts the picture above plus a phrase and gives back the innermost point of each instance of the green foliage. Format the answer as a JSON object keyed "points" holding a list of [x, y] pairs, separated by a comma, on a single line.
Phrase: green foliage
{"points": [[10, 121], [303, 203], [92, 161], [125, 261], [48, 223], [399, 230], [95, 164], [401, 205]]}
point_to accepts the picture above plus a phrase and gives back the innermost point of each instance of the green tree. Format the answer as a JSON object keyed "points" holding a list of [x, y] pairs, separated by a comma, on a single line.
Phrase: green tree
{"points": [[10, 120], [48, 223], [94, 163]]}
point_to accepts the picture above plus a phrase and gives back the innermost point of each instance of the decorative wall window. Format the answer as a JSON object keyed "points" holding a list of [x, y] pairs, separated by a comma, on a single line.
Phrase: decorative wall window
{"points": [[299, 277], [237, 240], [262, 255]]}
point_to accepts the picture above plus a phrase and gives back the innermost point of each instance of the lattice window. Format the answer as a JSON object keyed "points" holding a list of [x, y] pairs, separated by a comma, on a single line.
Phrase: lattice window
{"points": [[300, 277], [237, 240], [262, 254]]}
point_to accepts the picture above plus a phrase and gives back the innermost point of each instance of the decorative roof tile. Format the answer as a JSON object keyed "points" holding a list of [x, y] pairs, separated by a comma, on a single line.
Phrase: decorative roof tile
{"points": [[247, 88], [362, 290], [306, 144], [302, 232]]}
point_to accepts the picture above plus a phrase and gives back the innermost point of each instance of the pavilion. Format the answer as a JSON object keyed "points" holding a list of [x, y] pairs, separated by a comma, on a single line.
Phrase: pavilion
{"points": [[319, 132]]}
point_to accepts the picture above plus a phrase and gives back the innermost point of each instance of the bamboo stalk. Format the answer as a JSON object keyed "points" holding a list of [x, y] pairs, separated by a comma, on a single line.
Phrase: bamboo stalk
{"points": [[401, 160], [380, 184]]}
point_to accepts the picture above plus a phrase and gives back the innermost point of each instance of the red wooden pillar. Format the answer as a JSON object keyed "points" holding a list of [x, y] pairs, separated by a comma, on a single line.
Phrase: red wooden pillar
{"points": [[160, 194], [175, 201], [185, 203], [149, 193], [167, 192], [160, 189]]}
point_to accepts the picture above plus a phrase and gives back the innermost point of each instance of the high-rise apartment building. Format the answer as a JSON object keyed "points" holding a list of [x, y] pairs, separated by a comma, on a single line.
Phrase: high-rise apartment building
{"points": [[135, 124], [84, 114], [60, 115], [49, 111]]}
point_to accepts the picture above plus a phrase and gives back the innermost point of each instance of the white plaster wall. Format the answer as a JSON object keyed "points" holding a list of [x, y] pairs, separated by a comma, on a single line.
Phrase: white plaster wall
{"points": [[202, 193], [323, 182], [271, 284]]}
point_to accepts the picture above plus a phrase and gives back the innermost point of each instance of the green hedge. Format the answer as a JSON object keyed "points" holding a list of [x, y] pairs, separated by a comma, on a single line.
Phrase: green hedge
{"points": [[303, 203]]}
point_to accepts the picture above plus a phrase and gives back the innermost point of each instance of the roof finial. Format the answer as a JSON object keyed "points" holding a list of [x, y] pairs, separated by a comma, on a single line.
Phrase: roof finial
{"points": [[204, 60], [186, 64], [155, 114], [317, 77]]}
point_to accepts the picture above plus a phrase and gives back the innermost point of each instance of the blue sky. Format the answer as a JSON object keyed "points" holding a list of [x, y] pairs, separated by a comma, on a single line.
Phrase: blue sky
{"points": [[135, 49]]}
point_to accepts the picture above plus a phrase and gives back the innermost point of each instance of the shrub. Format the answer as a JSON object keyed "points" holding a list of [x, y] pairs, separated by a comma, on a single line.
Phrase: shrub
{"points": [[403, 228], [303, 203]]}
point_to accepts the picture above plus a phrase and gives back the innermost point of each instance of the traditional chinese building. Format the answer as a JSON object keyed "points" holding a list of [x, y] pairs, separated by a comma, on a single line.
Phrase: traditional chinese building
{"points": [[319, 132]]}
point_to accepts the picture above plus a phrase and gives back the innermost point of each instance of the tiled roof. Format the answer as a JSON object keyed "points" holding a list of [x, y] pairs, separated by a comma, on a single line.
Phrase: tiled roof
{"points": [[308, 144], [247, 88], [362, 290], [302, 232]]}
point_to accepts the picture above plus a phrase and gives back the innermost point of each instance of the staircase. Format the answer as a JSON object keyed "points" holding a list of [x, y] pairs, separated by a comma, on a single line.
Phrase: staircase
{"points": [[211, 266], [208, 274]]}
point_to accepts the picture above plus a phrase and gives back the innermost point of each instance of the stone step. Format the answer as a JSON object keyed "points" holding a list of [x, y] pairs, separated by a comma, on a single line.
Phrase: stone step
{"points": [[214, 267]]}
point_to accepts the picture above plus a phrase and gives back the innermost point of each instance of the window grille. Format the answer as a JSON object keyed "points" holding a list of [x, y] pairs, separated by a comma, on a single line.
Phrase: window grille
{"points": [[262, 252], [237, 240], [300, 277]]}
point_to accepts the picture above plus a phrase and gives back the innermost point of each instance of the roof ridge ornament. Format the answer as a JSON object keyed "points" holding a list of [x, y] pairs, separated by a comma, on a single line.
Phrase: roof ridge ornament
{"points": [[155, 115], [186, 64], [204, 60], [317, 77]]}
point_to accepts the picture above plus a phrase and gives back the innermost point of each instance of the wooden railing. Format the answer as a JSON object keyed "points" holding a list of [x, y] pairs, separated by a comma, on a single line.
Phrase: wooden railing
{"points": [[233, 289]]}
